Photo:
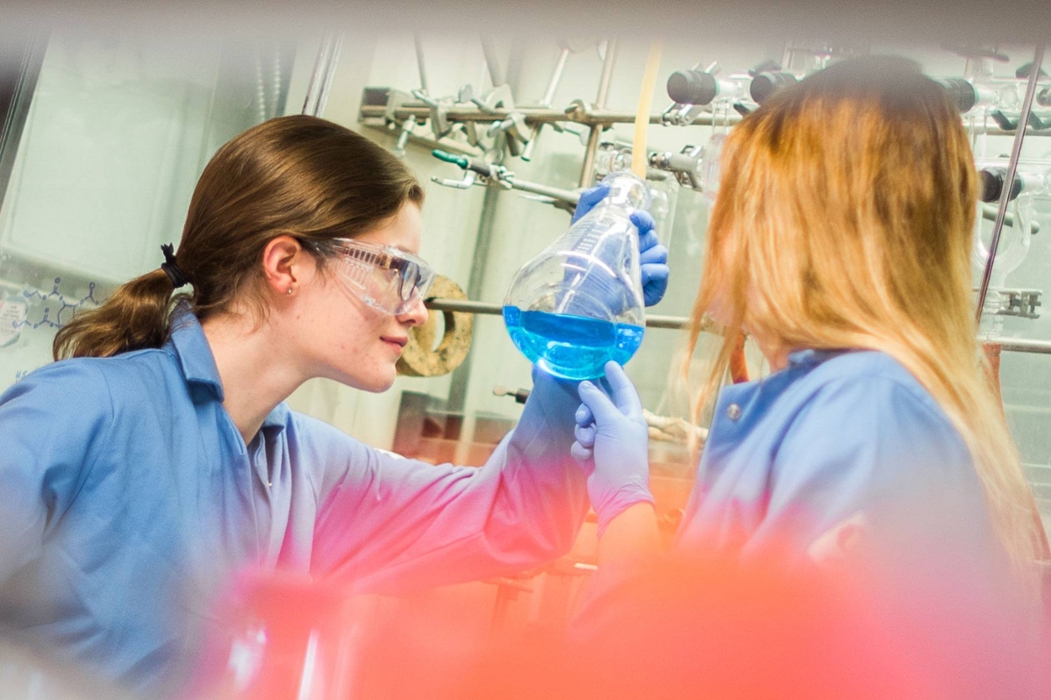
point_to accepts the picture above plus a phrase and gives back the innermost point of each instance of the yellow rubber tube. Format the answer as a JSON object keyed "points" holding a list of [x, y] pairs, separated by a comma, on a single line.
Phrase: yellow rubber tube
{"points": [[642, 116]]}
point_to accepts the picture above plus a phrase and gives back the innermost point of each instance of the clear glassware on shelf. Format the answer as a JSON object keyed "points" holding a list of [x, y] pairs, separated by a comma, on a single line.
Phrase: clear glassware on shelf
{"points": [[578, 304]]}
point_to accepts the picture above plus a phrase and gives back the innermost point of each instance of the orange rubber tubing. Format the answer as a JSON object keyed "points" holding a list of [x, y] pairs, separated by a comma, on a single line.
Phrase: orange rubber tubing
{"points": [[738, 364]]}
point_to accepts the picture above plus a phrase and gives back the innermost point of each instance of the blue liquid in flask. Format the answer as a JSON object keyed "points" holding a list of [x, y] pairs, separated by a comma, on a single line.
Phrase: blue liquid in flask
{"points": [[572, 347]]}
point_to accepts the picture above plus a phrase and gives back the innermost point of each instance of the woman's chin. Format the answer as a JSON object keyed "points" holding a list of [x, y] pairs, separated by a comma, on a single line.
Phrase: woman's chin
{"points": [[374, 382], [377, 384]]}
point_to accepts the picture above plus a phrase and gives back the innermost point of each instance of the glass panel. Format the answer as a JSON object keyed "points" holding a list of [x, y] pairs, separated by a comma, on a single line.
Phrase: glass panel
{"points": [[118, 131]]}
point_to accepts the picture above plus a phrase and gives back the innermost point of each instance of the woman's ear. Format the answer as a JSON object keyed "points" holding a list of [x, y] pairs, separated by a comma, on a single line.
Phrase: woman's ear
{"points": [[285, 265]]}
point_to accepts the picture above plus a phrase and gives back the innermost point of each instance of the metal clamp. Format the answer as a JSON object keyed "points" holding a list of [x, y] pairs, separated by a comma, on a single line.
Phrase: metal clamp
{"points": [[1019, 302], [476, 172], [685, 165], [480, 172], [439, 113], [515, 130], [403, 136]]}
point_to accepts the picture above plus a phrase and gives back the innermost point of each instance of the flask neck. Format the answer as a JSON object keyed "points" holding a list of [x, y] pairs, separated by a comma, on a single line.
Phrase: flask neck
{"points": [[621, 194], [626, 190]]}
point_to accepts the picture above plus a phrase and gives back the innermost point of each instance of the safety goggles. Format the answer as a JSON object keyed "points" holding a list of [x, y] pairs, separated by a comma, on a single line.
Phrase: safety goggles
{"points": [[383, 277]]}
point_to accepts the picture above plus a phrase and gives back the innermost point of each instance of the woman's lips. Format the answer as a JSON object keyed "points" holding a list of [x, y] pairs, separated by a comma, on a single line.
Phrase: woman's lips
{"points": [[398, 343]]}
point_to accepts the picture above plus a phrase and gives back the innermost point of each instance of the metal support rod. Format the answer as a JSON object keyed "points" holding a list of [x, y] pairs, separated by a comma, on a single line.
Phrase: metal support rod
{"points": [[419, 62], [446, 144], [330, 73], [537, 188], [545, 101], [532, 115], [590, 151], [461, 376], [556, 78], [316, 77], [1012, 169], [608, 64], [321, 78], [492, 62], [487, 309], [535, 115], [600, 103], [1040, 347]]}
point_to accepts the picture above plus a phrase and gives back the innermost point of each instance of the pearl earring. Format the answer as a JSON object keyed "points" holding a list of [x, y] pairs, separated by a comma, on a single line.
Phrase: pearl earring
{"points": [[290, 290]]}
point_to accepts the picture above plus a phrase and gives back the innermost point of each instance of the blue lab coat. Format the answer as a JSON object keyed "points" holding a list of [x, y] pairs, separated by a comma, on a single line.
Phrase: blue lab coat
{"points": [[836, 450], [842, 460], [129, 498]]}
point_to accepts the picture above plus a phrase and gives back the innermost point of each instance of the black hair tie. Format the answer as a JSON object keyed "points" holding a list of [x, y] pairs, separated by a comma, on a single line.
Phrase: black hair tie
{"points": [[177, 276]]}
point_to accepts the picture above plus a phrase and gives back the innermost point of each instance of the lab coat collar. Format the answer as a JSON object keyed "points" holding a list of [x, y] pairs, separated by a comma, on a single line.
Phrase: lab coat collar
{"points": [[194, 353], [278, 418], [198, 363], [810, 356]]}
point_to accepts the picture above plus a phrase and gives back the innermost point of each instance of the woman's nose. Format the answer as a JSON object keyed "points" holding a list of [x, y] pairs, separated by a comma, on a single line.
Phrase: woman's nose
{"points": [[416, 315]]}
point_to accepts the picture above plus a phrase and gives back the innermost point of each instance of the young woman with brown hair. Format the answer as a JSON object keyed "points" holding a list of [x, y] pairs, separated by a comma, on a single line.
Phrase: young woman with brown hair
{"points": [[139, 474], [840, 241]]}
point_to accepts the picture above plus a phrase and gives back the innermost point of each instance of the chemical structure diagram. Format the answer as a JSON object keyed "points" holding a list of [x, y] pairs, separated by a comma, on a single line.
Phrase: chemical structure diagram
{"points": [[65, 306]]}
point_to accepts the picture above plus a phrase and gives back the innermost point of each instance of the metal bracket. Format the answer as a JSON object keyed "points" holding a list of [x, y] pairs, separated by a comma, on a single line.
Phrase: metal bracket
{"points": [[682, 115], [1019, 302]]}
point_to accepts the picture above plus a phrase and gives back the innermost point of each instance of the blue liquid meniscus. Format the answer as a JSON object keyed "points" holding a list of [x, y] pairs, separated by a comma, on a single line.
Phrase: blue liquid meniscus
{"points": [[572, 347]]}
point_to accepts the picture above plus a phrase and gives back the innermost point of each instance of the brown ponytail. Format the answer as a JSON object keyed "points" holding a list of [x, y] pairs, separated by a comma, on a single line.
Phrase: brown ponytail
{"points": [[134, 317], [297, 175]]}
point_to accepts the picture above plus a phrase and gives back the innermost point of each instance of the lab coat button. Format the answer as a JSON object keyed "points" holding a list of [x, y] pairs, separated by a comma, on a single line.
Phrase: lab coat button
{"points": [[733, 412]]}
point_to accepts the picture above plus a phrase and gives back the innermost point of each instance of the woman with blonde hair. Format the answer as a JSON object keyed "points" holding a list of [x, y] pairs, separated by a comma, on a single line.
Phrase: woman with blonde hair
{"points": [[840, 242]]}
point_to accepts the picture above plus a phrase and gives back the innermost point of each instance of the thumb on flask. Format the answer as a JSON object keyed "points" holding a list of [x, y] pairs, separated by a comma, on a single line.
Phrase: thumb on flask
{"points": [[600, 405]]}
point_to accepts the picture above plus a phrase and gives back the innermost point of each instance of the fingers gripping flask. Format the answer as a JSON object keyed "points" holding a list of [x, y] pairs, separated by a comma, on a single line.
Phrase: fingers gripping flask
{"points": [[578, 304]]}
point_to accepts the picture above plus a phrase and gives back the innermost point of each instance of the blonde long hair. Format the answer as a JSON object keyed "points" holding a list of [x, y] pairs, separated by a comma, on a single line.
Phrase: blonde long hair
{"points": [[844, 219]]}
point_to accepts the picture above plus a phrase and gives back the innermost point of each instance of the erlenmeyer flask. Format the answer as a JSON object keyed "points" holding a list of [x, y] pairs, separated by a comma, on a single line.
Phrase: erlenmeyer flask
{"points": [[578, 304]]}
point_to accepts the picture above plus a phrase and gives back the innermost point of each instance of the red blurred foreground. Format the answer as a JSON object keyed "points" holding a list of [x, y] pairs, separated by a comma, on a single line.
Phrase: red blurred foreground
{"points": [[703, 628]]}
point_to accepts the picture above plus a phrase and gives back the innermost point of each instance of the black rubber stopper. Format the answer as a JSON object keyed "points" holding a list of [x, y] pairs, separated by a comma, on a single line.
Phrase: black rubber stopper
{"points": [[961, 92], [692, 87], [766, 84], [991, 184]]}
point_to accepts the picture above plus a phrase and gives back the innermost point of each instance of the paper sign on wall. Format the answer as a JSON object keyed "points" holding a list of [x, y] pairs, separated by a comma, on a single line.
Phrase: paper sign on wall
{"points": [[12, 320]]}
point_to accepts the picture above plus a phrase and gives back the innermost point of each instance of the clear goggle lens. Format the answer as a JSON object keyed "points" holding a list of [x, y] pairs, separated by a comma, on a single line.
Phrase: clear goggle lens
{"points": [[383, 277]]}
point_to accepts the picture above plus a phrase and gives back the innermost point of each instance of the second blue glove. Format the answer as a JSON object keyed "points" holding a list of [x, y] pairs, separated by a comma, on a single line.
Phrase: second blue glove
{"points": [[612, 446]]}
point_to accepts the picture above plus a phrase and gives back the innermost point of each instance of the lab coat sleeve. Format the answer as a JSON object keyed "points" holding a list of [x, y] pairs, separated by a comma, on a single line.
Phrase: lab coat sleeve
{"points": [[393, 524], [52, 426], [869, 462]]}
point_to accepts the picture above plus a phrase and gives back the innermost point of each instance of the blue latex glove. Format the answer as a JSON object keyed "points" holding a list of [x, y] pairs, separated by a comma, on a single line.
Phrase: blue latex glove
{"points": [[653, 257], [612, 446]]}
